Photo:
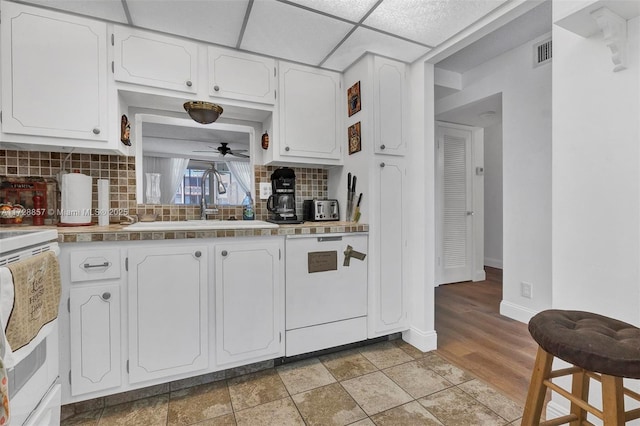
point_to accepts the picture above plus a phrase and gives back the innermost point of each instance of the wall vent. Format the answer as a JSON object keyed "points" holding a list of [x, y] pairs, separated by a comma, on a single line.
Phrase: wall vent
{"points": [[542, 53]]}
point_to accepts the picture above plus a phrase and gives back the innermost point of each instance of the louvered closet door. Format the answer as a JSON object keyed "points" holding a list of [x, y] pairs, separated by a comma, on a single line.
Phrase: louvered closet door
{"points": [[456, 258]]}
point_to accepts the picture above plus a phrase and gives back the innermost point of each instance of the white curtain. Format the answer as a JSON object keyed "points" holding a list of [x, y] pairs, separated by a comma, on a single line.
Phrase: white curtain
{"points": [[171, 171], [242, 172]]}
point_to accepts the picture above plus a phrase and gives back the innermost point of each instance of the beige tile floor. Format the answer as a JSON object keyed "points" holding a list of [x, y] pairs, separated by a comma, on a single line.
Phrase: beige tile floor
{"points": [[388, 383]]}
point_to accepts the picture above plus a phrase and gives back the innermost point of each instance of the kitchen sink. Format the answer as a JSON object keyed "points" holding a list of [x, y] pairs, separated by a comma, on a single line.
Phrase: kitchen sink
{"points": [[197, 225]]}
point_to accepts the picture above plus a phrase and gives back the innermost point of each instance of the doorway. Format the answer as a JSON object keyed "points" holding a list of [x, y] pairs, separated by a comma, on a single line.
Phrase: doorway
{"points": [[484, 117], [459, 203]]}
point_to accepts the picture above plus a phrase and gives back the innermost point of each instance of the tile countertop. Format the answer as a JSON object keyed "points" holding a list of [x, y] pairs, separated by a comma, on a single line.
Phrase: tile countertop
{"points": [[81, 234]]}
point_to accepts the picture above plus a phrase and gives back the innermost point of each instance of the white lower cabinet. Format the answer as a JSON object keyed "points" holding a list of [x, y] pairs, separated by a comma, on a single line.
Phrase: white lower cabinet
{"points": [[95, 337], [168, 310], [249, 301], [389, 299]]}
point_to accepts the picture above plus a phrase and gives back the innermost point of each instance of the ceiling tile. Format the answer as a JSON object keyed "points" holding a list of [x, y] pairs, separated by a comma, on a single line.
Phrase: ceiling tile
{"points": [[288, 32], [217, 21], [110, 10], [365, 40], [429, 21], [352, 10]]}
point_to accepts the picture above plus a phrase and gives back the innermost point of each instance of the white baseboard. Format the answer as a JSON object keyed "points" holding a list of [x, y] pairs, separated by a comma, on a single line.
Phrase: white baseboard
{"points": [[425, 341], [516, 312], [494, 263]]}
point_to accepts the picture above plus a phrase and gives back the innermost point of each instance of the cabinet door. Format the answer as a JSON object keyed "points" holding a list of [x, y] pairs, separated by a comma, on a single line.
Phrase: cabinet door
{"points": [[167, 311], [310, 122], [388, 311], [95, 338], [54, 74], [237, 75], [249, 306], [390, 109], [142, 57]]}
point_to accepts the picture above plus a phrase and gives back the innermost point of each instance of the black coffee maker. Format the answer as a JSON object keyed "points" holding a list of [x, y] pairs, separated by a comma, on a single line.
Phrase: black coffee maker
{"points": [[282, 203]]}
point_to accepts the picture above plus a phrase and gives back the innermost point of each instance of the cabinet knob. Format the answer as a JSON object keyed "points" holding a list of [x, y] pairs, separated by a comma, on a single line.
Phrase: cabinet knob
{"points": [[382, 146], [189, 83], [382, 164], [96, 131], [216, 88], [224, 253], [106, 295], [198, 253], [286, 148]]}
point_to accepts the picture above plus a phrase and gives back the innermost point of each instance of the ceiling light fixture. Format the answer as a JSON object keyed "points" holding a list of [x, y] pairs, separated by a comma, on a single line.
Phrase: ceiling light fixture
{"points": [[203, 112]]}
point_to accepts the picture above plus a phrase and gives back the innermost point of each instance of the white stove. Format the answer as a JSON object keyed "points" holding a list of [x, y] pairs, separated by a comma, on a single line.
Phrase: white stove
{"points": [[12, 240], [34, 388]]}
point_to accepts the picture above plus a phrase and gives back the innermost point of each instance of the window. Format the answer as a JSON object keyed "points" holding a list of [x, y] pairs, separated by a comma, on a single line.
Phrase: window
{"points": [[189, 191]]}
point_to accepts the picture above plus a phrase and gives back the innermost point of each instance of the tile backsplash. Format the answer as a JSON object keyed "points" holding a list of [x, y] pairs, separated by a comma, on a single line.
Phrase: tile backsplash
{"points": [[120, 171]]}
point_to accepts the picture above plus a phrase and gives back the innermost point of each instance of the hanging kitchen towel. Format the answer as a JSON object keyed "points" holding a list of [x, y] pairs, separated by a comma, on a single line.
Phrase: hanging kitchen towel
{"points": [[36, 283], [76, 199]]}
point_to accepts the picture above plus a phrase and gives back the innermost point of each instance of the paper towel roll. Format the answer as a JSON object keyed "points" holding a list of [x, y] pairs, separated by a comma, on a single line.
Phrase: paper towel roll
{"points": [[76, 199], [103, 202]]}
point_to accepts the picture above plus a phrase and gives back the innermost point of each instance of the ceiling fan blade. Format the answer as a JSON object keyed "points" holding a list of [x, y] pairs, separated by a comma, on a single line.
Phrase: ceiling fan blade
{"points": [[237, 154]]}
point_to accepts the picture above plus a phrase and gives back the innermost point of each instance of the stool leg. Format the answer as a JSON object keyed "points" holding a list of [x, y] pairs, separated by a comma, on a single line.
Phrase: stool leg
{"points": [[537, 390], [612, 400], [579, 389]]}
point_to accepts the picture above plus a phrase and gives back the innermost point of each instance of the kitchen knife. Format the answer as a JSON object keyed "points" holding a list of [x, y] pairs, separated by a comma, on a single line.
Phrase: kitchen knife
{"points": [[356, 215], [349, 197], [352, 195]]}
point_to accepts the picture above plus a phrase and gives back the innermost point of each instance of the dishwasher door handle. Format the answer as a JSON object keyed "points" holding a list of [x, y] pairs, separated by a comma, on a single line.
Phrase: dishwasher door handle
{"points": [[335, 238]]}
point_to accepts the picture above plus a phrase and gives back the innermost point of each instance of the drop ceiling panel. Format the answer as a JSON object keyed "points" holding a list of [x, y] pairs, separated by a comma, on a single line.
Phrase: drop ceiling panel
{"points": [[429, 21], [289, 32], [109, 10], [352, 10], [217, 21], [364, 40]]}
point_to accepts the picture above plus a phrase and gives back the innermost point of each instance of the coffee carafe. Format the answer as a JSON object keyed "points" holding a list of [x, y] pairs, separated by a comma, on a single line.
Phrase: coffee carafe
{"points": [[282, 203]]}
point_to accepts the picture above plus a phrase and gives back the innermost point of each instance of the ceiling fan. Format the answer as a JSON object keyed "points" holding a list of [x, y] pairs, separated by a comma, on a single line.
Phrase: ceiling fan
{"points": [[224, 150]]}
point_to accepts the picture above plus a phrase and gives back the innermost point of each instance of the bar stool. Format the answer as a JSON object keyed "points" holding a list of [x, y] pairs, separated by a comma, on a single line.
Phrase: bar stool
{"points": [[599, 348]]}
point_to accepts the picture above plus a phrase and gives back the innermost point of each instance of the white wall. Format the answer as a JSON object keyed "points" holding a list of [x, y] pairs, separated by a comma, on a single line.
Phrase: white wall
{"points": [[596, 176], [526, 103], [493, 195]]}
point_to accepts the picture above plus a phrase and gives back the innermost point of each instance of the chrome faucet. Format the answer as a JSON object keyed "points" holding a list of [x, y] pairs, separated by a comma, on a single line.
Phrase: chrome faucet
{"points": [[204, 211]]}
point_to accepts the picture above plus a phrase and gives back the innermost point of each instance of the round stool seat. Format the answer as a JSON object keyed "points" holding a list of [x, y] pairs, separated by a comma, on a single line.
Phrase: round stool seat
{"points": [[590, 341]]}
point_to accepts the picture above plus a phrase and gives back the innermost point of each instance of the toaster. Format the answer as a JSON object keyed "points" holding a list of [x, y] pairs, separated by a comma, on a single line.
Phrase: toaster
{"points": [[320, 210]]}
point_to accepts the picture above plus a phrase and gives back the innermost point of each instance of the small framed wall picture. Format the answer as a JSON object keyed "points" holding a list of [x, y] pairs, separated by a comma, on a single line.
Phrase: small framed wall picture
{"points": [[355, 141], [353, 98]]}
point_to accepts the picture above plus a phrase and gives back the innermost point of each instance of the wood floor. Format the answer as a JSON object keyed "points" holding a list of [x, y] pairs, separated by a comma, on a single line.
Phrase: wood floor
{"points": [[473, 335]]}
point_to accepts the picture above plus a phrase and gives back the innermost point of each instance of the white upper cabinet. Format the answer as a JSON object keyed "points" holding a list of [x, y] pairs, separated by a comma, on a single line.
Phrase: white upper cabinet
{"points": [[54, 75], [310, 116], [150, 59], [390, 107], [240, 76]]}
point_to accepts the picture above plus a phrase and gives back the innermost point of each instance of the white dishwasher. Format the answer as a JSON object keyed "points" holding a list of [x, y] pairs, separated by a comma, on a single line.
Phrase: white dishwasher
{"points": [[326, 296]]}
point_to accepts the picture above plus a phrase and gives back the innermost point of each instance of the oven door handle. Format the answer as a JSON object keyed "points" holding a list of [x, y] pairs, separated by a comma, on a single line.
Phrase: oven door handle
{"points": [[335, 238]]}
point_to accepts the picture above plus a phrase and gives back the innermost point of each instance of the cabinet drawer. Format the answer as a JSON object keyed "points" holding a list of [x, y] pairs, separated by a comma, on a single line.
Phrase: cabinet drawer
{"points": [[93, 265]]}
